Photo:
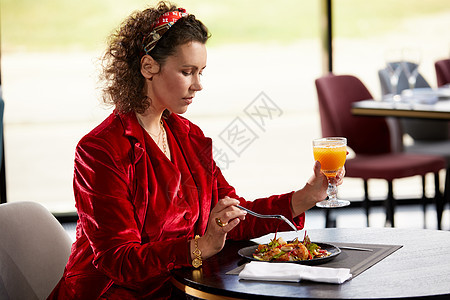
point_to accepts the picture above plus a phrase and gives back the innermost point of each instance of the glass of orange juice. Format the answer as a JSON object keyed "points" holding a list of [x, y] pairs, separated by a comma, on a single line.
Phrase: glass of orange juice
{"points": [[331, 153]]}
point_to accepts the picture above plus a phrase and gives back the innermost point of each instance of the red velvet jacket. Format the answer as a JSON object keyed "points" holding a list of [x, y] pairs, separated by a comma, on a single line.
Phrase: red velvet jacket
{"points": [[125, 200]]}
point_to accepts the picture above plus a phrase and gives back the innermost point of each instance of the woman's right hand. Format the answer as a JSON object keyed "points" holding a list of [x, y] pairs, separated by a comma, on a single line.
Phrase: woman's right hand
{"points": [[214, 239]]}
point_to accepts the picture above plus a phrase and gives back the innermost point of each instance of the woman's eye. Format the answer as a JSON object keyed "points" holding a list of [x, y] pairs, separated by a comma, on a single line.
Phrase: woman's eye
{"points": [[186, 73]]}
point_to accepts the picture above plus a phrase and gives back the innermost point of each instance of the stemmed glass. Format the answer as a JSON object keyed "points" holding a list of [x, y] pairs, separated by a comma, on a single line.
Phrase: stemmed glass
{"points": [[393, 59], [331, 152], [394, 69], [410, 65]]}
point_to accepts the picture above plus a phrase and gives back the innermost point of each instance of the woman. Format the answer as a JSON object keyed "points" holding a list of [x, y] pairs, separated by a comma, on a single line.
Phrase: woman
{"points": [[148, 194]]}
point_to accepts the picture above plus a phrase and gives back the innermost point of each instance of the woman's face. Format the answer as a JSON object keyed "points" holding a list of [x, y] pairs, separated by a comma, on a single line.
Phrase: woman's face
{"points": [[175, 85]]}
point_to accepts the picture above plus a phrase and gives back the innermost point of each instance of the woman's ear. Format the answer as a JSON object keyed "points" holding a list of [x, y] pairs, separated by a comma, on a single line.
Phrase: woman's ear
{"points": [[149, 67]]}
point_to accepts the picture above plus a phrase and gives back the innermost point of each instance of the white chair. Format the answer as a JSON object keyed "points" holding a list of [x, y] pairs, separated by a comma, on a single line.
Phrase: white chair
{"points": [[34, 249]]}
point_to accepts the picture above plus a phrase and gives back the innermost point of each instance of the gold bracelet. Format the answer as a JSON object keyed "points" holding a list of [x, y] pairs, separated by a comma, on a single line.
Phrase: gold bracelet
{"points": [[197, 261]]}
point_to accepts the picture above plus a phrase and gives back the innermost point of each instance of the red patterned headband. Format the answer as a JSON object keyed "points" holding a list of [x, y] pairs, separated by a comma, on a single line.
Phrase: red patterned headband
{"points": [[161, 26]]}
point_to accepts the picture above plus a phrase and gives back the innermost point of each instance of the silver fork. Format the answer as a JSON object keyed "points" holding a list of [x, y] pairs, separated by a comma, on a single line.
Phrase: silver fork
{"points": [[280, 217]]}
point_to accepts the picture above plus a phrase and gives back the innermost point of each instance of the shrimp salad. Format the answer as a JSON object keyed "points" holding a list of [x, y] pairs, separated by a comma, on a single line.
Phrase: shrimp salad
{"points": [[279, 250]]}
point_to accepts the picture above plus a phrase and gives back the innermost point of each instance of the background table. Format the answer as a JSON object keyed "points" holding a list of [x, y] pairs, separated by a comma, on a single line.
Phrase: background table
{"points": [[421, 268], [438, 111]]}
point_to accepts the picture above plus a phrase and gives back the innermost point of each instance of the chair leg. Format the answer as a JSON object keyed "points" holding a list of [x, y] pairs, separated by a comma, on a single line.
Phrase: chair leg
{"points": [[330, 220], [390, 205], [447, 185], [439, 200], [3, 175], [424, 202], [366, 202], [446, 188]]}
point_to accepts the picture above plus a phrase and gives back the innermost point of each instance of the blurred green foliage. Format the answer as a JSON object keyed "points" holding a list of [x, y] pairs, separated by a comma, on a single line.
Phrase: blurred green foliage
{"points": [[55, 25]]}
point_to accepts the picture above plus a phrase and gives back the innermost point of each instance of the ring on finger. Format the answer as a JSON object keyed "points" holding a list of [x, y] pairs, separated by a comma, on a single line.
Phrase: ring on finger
{"points": [[219, 222]]}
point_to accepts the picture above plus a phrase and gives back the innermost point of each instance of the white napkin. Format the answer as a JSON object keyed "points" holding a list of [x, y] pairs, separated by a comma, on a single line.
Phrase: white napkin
{"points": [[293, 272]]}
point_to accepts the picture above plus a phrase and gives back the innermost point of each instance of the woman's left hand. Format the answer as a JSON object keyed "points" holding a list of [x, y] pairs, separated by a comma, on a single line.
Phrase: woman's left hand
{"points": [[314, 191], [339, 176]]}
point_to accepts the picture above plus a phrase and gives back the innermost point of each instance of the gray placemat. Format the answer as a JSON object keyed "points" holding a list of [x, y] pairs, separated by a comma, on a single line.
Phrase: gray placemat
{"points": [[355, 260]]}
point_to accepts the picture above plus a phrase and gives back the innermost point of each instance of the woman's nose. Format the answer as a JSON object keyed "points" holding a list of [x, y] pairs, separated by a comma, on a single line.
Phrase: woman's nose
{"points": [[197, 85]]}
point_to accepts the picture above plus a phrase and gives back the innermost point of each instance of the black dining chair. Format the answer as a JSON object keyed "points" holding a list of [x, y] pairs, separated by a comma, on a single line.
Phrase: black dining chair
{"points": [[369, 138]]}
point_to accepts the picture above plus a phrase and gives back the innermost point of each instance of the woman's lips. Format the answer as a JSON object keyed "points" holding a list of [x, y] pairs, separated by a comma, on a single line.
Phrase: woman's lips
{"points": [[188, 100]]}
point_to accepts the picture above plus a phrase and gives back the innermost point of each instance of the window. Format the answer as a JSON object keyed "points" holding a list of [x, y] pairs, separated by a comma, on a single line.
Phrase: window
{"points": [[263, 58]]}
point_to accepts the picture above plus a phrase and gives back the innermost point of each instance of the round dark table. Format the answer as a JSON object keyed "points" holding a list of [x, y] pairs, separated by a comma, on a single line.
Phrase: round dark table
{"points": [[418, 270]]}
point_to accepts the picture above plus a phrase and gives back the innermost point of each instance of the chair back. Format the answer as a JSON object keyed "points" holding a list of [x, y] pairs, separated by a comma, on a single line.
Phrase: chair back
{"points": [[421, 130], [365, 135], [385, 83], [34, 249], [442, 68]]}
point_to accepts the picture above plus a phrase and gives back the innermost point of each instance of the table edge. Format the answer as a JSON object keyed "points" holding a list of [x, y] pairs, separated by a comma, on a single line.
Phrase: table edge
{"points": [[188, 290], [383, 112]]}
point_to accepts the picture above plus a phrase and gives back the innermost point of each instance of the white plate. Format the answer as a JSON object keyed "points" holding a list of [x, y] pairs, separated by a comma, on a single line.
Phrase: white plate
{"points": [[420, 95]]}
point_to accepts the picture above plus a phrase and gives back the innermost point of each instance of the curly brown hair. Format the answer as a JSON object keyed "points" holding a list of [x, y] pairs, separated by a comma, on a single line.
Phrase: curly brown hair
{"points": [[124, 83]]}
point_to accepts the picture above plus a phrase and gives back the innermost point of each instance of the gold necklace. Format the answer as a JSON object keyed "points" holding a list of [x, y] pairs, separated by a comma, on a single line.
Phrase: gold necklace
{"points": [[154, 135], [162, 133], [164, 144], [148, 131]]}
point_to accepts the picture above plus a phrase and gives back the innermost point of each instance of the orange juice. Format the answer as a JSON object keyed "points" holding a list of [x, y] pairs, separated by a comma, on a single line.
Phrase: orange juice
{"points": [[331, 157]]}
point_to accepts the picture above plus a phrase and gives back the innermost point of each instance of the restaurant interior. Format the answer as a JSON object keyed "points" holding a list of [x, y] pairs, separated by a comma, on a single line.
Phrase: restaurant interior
{"points": [[301, 68]]}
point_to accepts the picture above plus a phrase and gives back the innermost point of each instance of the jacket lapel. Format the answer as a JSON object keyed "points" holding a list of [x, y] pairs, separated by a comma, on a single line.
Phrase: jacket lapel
{"points": [[138, 175], [197, 151]]}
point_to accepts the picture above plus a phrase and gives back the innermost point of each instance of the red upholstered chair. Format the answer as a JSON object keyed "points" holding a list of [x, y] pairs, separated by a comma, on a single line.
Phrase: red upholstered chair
{"points": [[369, 138], [442, 71]]}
